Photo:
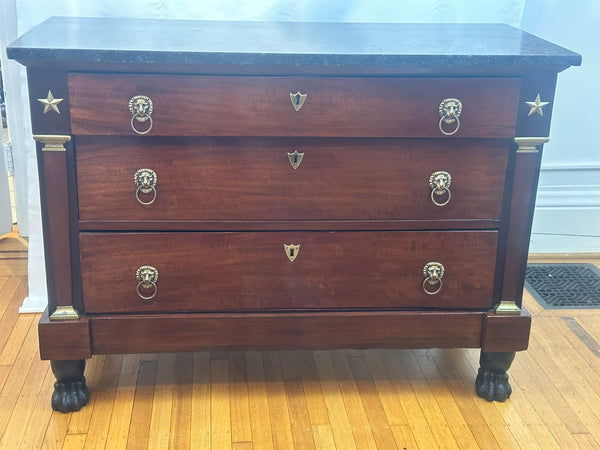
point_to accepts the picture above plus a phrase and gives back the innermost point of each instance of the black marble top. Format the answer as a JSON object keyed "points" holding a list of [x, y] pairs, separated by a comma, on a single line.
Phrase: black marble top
{"points": [[104, 40]]}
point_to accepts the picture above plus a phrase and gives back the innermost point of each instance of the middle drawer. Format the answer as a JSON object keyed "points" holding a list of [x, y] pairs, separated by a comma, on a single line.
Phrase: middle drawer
{"points": [[290, 179], [220, 271]]}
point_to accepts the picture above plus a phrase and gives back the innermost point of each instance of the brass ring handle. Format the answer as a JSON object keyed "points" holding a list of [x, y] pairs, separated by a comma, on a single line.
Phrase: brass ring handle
{"points": [[147, 297], [435, 192], [141, 108], [440, 182], [147, 277], [432, 281], [137, 196], [138, 131], [449, 110], [449, 133], [433, 273]]}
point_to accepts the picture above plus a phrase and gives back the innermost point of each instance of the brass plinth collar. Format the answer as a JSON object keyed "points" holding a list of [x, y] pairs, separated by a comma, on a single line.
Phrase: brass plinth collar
{"points": [[64, 313], [508, 308]]}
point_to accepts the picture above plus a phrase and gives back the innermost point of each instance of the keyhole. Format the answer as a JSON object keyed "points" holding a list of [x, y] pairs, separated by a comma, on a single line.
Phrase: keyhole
{"points": [[297, 99], [291, 253], [295, 159]]}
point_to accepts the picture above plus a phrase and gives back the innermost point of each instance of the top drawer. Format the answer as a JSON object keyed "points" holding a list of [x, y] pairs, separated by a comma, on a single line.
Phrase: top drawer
{"points": [[184, 105]]}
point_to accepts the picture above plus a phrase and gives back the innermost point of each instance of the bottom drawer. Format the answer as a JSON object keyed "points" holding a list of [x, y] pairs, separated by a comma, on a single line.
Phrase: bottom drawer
{"points": [[266, 271]]}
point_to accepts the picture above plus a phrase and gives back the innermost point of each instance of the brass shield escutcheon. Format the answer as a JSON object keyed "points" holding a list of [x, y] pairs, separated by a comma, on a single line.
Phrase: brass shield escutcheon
{"points": [[291, 251], [295, 158], [298, 100]]}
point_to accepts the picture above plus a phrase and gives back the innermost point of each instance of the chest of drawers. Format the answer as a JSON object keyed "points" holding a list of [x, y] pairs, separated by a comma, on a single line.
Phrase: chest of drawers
{"points": [[285, 186]]}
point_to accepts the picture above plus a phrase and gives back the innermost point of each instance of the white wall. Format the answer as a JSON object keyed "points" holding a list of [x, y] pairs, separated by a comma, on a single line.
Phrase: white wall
{"points": [[31, 12], [18, 122], [567, 215]]}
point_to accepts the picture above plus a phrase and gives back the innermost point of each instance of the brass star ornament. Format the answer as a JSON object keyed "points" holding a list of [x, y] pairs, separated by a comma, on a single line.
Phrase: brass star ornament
{"points": [[50, 103], [536, 106]]}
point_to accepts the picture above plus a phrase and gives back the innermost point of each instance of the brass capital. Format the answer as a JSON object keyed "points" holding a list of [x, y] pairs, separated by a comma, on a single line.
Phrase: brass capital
{"points": [[529, 144], [52, 142]]}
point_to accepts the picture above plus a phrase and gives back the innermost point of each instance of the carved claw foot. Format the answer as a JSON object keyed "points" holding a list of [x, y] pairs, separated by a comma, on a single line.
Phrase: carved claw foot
{"points": [[70, 396], [492, 380], [492, 386], [70, 390]]}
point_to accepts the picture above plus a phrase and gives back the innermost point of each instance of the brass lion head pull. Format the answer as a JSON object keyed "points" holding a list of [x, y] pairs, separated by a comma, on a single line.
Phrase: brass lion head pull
{"points": [[145, 180], [147, 277], [440, 182], [433, 273], [450, 110], [141, 108]]}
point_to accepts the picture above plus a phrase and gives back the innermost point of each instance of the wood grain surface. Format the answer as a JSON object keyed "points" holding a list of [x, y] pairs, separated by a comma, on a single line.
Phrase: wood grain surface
{"points": [[291, 331], [250, 271], [252, 179], [54, 191], [261, 106]]}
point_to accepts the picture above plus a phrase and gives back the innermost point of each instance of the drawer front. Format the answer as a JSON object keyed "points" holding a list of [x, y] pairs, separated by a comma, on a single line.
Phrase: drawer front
{"points": [[254, 179], [254, 271], [262, 106]]}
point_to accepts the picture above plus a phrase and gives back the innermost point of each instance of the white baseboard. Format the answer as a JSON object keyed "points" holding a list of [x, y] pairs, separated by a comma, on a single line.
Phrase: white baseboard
{"points": [[567, 213], [33, 305], [555, 243], [569, 187]]}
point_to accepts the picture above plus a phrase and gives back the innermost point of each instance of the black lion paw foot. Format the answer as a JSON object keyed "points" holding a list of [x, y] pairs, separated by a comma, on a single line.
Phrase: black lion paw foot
{"points": [[492, 385], [70, 396]]}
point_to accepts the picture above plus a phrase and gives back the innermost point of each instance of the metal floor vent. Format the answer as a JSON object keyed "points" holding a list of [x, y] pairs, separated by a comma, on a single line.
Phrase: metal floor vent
{"points": [[564, 286]]}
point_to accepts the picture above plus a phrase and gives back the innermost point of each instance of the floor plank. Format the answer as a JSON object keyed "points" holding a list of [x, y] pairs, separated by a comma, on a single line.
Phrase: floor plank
{"points": [[120, 419], [297, 405], [181, 418], [410, 401], [16, 427], [80, 420], [458, 426], [426, 398], [279, 414], [241, 427], [219, 405], [105, 402], [16, 379], [162, 404], [141, 413], [74, 442], [462, 393], [380, 426], [260, 422], [201, 431], [317, 409], [336, 410], [361, 428], [39, 419]]}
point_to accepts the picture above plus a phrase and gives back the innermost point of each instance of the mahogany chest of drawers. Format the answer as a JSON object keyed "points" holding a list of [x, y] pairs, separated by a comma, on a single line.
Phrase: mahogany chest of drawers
{"points": [[230, 185]]}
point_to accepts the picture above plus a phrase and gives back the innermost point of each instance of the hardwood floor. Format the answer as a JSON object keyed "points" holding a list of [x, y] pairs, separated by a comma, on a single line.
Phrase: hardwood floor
{"points": [[281, 400]]}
